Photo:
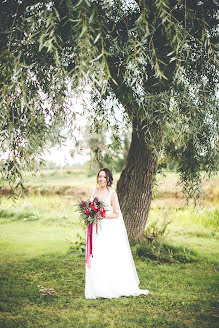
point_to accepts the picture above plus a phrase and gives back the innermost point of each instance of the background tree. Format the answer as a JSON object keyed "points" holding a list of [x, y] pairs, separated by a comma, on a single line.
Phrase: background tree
{"points": [[155, 59]]}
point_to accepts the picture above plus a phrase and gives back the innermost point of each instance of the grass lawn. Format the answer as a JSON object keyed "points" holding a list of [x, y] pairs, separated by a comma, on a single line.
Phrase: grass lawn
{"points": [[36, 238]]}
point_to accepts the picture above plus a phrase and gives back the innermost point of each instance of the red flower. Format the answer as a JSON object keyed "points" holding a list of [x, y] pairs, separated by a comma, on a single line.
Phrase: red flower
{"points": [[93, 205], [103, 212]]}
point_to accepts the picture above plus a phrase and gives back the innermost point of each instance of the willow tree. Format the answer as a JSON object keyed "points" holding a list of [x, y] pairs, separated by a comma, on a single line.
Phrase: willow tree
{"points": [[154, 59], [167, 86]]}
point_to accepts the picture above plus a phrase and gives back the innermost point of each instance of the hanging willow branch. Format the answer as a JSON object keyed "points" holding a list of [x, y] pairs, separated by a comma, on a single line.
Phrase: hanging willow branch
{"points": [[144, 54]]}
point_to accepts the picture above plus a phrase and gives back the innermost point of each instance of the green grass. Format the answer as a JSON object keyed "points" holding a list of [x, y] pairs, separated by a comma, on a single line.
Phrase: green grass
{"points": [[38, 236], [199, 222], [37, 225], [180, 295]]}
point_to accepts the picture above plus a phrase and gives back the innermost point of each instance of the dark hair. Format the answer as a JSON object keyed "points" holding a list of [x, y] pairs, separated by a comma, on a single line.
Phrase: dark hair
{"points": [[109, 176]]}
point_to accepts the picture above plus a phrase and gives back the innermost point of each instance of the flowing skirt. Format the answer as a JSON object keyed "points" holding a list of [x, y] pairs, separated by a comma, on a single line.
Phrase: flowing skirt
{"points": [[112, 271]]}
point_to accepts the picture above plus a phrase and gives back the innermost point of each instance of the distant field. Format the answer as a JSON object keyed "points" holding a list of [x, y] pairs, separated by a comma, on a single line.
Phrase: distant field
{"points": [[77, 182]]}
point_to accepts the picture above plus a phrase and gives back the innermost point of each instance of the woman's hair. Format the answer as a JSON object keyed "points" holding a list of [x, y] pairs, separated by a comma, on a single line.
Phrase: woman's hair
{"points": [[109, 176]]}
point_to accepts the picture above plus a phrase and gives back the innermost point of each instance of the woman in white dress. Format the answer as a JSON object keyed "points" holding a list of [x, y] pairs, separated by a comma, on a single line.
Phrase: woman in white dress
{"points": [[111, 271]]}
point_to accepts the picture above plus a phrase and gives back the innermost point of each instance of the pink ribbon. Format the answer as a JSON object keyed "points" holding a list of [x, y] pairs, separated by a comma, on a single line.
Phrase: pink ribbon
{"points": [[89, 244]]}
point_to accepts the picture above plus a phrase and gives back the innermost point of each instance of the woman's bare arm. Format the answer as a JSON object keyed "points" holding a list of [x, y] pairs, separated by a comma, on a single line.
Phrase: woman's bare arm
{"points": [[115, 206], [90, 193]]}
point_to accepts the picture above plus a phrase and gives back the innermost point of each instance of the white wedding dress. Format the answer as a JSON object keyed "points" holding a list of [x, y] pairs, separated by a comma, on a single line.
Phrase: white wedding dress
{"points": [[112, 271]]}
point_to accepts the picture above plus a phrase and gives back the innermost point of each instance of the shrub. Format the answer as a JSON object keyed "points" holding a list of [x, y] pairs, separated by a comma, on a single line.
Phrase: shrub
{"points": [[164, 252]]}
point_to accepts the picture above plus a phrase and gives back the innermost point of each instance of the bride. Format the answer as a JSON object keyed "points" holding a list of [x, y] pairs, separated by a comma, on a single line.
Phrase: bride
{"points": [[111, 271]]}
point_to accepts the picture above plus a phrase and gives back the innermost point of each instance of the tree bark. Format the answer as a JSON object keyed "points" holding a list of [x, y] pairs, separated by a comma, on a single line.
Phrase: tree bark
{"points": [[135, 186]]}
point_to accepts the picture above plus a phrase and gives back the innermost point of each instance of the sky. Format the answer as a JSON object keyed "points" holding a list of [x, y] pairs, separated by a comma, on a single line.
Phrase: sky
{"points": [[61, 155]]}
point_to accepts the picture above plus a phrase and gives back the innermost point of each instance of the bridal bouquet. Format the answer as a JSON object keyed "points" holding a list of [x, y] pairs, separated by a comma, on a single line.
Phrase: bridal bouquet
{"points": [[92, 211]]}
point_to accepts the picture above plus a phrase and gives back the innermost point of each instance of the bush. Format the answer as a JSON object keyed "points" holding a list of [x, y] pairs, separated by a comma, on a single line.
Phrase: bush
{"points": [[156, 248], [164, 252], [156, 230]]}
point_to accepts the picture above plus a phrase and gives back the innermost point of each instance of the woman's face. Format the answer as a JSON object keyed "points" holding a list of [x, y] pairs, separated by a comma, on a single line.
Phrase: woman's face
{"points": [[101, 179]]}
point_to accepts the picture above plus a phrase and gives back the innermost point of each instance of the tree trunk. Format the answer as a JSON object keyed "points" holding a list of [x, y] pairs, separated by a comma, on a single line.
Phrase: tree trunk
{"points": [[135, 186]]}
